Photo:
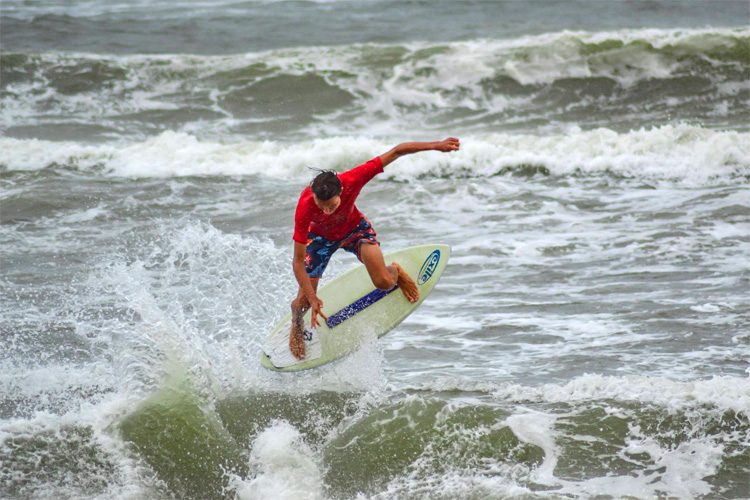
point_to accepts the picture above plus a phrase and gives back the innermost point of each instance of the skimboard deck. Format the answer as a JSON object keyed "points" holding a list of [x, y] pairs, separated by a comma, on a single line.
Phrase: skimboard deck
{"points": [[356, 311]]}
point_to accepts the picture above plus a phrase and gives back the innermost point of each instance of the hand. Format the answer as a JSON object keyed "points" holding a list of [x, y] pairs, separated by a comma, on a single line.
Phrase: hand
{"points": [[448, 145], [317, 306]]}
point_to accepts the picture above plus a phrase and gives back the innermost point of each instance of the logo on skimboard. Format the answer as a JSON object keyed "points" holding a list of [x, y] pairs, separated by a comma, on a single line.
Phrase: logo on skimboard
{"points": [[428, 268]]}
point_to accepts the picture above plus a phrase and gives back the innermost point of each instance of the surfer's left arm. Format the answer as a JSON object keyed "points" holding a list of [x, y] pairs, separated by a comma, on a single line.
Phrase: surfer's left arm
{"points": [[407, 148]]}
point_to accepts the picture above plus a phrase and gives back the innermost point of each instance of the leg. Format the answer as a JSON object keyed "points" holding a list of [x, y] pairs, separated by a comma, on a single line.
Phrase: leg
{"points": [[386, 277], [317, 255], [300, 306]]}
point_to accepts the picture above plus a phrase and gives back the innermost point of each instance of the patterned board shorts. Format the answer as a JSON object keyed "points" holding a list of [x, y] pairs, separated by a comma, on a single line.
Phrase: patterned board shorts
{"points": [[320, 249]]}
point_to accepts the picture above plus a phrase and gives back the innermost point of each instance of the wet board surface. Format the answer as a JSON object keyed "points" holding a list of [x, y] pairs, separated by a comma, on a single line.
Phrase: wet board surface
{"points": [[356, 311]]}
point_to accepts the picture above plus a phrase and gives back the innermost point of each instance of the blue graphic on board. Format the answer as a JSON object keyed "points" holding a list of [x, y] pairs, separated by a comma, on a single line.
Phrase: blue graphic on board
{"points": [[428, 268], [358, 305]]}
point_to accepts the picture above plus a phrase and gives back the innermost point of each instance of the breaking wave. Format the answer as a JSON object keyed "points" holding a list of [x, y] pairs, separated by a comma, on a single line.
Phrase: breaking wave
{"points": [[594, 79], [681, 153]]}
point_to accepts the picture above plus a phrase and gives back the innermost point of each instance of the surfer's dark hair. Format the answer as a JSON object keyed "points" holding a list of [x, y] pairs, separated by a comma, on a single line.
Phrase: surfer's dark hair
{"points": [[326, 185]]}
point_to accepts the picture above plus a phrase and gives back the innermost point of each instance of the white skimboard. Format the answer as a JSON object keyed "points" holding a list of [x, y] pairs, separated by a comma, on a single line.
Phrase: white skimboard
{"points": [[356, 311]]}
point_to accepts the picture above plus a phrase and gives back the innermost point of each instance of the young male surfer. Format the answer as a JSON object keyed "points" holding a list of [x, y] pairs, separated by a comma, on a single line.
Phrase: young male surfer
{"points": [[327, 219]]}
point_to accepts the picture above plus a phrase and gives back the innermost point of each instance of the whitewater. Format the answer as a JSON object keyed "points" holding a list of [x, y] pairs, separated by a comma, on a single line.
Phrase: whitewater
{"points": [[590, 338]]}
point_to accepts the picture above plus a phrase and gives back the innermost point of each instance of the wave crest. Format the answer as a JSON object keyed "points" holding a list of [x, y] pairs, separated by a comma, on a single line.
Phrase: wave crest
{"points": [[631, 76], [682, 153]]}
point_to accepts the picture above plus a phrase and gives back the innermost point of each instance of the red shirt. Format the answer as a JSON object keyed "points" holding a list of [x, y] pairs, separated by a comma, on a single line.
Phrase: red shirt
{"points": [[309, 218]]}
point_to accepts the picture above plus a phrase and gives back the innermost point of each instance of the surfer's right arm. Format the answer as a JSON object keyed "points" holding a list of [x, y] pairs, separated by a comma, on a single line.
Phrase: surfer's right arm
{"points": [[305, 283], [407, 148]]}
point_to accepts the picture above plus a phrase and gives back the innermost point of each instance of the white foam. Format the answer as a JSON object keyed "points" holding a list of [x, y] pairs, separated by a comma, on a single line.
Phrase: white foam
{"points": [[687, 464], [681, 471], [450, 485], [684, 153], [723, 230], [126, 477], [536, 428], [723, 393], [284, 468]]}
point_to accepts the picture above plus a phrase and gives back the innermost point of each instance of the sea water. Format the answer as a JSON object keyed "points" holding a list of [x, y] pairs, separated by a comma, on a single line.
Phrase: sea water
{"points": [[589, 339]]}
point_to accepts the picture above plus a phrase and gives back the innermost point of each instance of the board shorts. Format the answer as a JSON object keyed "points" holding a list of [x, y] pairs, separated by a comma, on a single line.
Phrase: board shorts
{"points": [[320, 249]]}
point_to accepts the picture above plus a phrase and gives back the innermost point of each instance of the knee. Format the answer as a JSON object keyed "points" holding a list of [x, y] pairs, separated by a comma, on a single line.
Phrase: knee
{"points": [[384, 282]]}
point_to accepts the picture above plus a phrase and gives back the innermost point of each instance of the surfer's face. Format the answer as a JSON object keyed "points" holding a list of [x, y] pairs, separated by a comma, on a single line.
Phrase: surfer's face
{"points": [[328, 206]]}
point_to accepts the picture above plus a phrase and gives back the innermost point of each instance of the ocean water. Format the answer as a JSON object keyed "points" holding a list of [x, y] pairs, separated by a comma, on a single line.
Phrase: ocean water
{"points": [[590, 338]]}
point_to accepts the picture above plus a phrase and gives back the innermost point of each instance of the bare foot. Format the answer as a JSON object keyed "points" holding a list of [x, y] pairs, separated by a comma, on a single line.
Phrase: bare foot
{"points": [[297, 342], [406, 284]]}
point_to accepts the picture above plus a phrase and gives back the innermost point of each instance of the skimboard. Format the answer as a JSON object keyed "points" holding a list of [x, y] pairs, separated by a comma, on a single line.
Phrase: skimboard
{"points": [[356, 311]]}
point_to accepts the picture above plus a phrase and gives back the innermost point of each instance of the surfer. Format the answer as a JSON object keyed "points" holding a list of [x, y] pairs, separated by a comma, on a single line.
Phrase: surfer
{"points": [[327, 219]]}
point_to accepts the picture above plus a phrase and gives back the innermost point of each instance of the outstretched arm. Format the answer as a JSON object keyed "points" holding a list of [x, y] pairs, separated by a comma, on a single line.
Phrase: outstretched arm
{"points": [[407, 148]]}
